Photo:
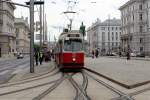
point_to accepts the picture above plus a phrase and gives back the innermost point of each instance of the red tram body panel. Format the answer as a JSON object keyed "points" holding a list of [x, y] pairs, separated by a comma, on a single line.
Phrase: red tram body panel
{"points": [[69, 51]]}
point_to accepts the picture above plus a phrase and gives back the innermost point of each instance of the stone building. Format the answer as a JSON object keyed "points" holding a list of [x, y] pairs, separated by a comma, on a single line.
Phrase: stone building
{"points": [[22, 35], [7, 34], [135, 16], [104, 35]]}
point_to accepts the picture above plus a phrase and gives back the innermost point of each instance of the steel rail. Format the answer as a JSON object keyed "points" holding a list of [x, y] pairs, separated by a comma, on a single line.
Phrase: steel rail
{"points": [[42, 95], [120, 93], [78, 88], [140, 91], [37, 86], [84, 86], [29, 80]]}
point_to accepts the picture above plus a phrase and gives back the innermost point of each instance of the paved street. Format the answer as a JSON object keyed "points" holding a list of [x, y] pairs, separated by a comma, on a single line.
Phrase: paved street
{"points": [[47, 83], [10, 67]]}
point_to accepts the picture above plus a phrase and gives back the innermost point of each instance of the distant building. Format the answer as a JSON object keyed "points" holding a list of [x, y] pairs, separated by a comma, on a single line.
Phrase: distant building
{"points": [[22, 35], [104, 35], [135, 16], [7, 34]]}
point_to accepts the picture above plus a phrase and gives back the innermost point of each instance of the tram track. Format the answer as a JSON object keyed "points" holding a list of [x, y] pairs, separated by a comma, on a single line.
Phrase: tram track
{"points": [[129, 96], [28, 88], [51, 88], [81, 93], [122, 95], [27, 80]]}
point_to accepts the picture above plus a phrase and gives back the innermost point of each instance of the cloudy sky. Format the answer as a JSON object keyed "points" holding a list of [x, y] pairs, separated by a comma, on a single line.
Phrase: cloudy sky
{"points": [[87, 11]]}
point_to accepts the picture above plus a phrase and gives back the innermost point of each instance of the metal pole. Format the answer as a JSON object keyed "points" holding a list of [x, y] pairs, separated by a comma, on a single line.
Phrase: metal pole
{"points": [[43, 24], [40, 26], [32, 36], [109, 33]]}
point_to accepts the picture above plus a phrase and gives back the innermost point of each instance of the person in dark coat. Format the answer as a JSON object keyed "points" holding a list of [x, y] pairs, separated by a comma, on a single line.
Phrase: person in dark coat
{"points": [[41, 56], [36, 57], [128, 53], [96, 53], [93, 53]]}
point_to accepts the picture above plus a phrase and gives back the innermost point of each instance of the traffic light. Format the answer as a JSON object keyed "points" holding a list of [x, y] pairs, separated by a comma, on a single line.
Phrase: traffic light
{"points": [[82, 29]]}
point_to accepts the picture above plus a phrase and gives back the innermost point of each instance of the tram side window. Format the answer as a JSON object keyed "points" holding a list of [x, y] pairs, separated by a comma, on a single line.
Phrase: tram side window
{"points": [[60, 44]]}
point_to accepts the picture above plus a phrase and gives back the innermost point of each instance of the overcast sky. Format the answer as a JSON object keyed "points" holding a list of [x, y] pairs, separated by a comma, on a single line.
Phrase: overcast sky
{"points": [[87, 11]]}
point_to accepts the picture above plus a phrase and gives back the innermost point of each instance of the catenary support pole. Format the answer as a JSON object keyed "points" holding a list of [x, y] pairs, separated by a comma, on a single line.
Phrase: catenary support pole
{"points": [[32, 36]]}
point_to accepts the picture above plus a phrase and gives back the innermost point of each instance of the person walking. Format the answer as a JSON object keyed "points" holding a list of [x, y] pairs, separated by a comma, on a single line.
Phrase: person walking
{"points": [[36, 57], [41, 57], [93, 54], [96, 53], [128, 53]]}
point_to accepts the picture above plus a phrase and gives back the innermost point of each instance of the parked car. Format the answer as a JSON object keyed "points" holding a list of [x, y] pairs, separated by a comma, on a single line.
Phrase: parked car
{"points": [[133, 54], [140, 55], [112, 54], [20, 56]]}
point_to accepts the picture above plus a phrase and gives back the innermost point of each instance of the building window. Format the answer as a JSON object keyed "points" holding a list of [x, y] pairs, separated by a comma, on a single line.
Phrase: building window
{"points": [[108, 36], [103, 28], [112, 44], [108, 28], [141, 28], [141, 16], [141, 40], [116, 44], [116, 28], [116, 36], [140, 7], [103, 36], [17, 42], [112, 35], [112, 28], [141, 49]]}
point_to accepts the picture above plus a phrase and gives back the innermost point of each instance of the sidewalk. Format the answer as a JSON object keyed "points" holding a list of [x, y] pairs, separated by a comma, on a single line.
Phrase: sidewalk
{"points": [[38, 70], [132, 58], [26, 85]]}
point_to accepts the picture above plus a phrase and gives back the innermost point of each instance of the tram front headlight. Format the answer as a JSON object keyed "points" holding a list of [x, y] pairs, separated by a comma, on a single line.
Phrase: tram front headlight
{"points": [[73, 59]]}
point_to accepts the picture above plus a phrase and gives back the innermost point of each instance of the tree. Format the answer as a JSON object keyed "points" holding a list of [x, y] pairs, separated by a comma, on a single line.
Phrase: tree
{"points": [[36, 47]]}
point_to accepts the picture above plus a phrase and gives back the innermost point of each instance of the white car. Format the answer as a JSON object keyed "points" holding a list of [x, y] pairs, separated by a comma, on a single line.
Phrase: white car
{"points": [[132, 54], [20, 56]]}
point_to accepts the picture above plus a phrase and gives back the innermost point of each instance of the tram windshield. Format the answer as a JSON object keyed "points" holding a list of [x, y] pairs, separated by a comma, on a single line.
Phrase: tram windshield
{"points": [[73, 45]]}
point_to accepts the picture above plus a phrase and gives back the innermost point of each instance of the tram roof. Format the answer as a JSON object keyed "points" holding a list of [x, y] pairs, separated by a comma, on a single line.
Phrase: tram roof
{"points": [[65, 34]]}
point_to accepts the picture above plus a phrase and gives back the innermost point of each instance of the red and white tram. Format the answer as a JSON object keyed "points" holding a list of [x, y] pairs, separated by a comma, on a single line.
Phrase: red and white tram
{"points": [[69, 52]]}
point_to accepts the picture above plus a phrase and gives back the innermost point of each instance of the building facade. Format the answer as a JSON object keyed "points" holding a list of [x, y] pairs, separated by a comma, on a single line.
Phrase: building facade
{"points": [[105, 36], [7, 33], [135, 16], [22, 35]]}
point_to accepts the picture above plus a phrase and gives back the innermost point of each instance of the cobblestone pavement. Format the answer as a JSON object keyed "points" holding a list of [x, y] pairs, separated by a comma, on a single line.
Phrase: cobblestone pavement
{"points": [[127, 72], [97, 88]]}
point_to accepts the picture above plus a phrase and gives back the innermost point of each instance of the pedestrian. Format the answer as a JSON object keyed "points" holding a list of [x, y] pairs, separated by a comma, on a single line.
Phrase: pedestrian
{"points": [[128, 55], [119, 53], [96, 53], [36, 57], [41, 56], [93, 54]]}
